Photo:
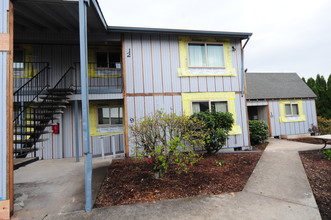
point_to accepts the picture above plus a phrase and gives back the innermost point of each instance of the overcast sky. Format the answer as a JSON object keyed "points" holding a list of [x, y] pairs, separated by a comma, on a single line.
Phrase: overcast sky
{"points": [[288, 35]]}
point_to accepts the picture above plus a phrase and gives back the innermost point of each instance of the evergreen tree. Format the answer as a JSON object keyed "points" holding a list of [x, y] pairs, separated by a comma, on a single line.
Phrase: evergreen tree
{"points": [[322, 89]]}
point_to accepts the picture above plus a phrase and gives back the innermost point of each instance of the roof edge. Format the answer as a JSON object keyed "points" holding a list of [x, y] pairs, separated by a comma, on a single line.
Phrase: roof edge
{"points": [[278, 99], [241, 35], [99, 11]]}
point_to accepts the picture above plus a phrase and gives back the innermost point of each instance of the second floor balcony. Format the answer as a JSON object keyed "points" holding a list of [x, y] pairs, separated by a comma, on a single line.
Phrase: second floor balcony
{"points": [[100, 79]]}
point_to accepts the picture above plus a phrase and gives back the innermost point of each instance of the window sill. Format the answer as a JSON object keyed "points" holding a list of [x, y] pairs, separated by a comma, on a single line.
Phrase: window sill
{"points": [[205, 75], [292, 119], [206, 67], [196, 71]]}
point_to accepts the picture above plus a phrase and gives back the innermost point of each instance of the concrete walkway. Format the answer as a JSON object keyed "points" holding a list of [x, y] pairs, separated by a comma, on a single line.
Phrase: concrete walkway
{"points": [[54, 186], [277, 189]]}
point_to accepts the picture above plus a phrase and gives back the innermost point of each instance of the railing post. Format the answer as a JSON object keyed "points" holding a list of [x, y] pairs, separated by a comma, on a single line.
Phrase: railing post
{"points": [[76, 131], [112, 143]]}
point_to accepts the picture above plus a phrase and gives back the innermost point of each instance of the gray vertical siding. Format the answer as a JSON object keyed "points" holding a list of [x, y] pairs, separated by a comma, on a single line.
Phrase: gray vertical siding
{"points": [[173, 103], [152, 67], [4, 6], [289, 128]]}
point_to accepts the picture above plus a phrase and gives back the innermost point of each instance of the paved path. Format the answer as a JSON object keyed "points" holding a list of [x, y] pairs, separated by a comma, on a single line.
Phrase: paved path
{"points": [[54, 186], [277, 189]]}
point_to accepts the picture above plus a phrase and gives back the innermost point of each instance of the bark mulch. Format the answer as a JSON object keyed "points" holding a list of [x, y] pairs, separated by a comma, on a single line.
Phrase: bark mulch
{"points": [[130, 180], [318, 170]]}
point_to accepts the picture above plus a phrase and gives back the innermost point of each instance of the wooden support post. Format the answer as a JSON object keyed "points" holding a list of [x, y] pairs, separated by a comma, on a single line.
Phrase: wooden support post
{"points": [[125, 100], [10, 110], [269, 120]]}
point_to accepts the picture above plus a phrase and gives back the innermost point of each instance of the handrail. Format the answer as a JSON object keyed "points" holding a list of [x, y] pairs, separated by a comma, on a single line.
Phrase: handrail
{"points": [[35, 76], [63, 76], [37, 112], [17, 92]]}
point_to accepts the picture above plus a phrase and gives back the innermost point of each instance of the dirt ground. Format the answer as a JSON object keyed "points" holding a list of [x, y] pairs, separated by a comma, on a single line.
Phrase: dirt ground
{"points": [[318, 170], [130, 180]]}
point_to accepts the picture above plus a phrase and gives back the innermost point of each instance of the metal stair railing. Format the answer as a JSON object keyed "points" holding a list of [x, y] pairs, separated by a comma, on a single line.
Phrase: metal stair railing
{"points": [[27, 94], [40, 114]]}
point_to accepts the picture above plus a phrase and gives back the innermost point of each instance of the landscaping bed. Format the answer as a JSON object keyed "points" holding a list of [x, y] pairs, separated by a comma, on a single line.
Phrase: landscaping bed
{"points": [[131, 181], [318, 170]]}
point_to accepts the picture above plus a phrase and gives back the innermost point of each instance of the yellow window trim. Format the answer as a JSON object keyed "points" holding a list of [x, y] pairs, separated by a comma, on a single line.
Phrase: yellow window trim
{"points": [[93, 114], [283, 118], [92, 71], [230, 97], [183, 51]]}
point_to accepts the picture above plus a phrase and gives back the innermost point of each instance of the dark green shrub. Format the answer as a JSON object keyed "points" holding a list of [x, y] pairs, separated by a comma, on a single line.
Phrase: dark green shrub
{"points": [[324, 125], [217, 126], [258, 131], [327, 153]]}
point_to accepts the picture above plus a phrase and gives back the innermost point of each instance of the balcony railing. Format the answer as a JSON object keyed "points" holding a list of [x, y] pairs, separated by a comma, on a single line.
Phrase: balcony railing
{"points": [[100, 79]]}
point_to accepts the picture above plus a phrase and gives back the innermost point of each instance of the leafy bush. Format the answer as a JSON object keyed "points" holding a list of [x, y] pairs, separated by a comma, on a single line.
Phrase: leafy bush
{"points": [[324, 125], [258, 131], [327, 153], [168, 139], [217, 126]]}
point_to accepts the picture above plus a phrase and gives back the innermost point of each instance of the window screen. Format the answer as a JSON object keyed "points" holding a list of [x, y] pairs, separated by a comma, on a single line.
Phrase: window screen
{"points": [[200, 107], [215, 55], [219, 106], [116, 115], [206, 55], [103, 116]]}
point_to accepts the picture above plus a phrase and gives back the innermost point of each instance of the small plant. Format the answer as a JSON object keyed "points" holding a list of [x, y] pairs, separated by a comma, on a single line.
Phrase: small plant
{"points": [[168, 140], [327, 153], [219, 163], [258, 131], [217, 126]]}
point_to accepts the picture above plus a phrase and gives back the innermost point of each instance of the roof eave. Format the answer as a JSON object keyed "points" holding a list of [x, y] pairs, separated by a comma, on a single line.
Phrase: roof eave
{"points": [[241, 35], [99, 11]]}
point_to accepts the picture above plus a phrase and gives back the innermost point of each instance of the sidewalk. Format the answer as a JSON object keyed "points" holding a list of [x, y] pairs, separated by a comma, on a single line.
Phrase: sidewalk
{"points": [[277, 189]]}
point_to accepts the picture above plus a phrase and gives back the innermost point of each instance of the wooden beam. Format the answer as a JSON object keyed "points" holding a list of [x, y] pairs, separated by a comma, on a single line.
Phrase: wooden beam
{"points": [[125, 100], [10, 110], [4, 210]]}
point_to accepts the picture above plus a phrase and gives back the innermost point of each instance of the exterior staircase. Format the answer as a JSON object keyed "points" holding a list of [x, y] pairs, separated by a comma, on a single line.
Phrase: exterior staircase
{"points": [[35, 111]]}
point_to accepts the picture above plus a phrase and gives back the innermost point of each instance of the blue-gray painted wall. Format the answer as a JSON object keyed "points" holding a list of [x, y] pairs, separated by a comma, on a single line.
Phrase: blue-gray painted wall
{"points": [[4, 7]]}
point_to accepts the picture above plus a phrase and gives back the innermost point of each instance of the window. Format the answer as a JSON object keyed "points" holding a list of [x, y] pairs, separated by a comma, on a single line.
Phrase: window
{"points": [[205, 55], [110, 115], [108, 60], [202, 106], [291, 109]]}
